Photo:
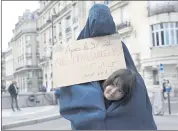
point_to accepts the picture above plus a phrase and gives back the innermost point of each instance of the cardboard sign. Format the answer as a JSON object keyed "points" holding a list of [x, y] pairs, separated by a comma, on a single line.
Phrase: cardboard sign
{"points": [[87, 60]]}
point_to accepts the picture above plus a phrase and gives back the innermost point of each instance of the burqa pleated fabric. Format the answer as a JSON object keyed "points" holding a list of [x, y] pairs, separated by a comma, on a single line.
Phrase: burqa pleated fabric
{"points": [[84, 104]]}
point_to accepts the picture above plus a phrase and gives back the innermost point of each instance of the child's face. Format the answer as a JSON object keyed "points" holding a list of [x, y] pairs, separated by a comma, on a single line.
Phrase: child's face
{"points": [[112, 92]]}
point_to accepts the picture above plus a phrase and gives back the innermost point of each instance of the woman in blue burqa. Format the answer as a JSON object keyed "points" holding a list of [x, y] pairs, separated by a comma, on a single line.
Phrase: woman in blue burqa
{"points": [[84, 104]]}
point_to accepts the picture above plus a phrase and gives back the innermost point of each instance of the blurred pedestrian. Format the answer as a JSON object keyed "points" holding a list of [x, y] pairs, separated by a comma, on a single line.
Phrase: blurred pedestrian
{"points": [[158, 103], [168, 86], [14, 90], [57, 95], [164, 88]]}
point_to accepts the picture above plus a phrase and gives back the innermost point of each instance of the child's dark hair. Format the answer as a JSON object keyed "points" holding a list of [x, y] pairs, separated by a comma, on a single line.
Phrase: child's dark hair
{"points": [[124, 78]]}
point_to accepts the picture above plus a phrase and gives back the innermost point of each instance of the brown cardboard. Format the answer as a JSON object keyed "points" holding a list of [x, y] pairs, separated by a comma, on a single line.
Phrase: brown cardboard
{"points": [[87, 60]]}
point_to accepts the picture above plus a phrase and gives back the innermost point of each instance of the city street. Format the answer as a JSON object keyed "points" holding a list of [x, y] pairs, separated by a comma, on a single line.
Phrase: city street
{"points": [[47, 45], [163, 123]]}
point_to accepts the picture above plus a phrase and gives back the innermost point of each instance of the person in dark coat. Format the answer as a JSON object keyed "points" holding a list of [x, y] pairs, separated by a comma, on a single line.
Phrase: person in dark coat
{"points": [[13, 90], [164, 88], [84, 104]]}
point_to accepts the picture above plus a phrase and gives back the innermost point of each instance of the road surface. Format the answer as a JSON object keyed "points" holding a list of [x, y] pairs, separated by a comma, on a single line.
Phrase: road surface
{"points": [[163, 123]]}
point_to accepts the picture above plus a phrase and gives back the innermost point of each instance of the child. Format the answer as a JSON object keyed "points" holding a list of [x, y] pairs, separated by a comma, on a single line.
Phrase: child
{"points": [[119, 86]]}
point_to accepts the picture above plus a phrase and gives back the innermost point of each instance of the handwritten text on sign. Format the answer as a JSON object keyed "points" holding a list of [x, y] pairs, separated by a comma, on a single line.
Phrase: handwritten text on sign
{"points": [[87, 60]]}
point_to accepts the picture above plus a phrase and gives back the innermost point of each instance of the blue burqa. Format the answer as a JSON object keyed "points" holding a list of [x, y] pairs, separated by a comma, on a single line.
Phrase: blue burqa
{"points": [[84, 104]]}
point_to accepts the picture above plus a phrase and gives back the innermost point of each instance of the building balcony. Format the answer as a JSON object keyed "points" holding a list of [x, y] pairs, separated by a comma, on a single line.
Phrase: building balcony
{"points": [[28, 54], [44, 59], [68, 29], [19, 68], [123, 25], [27, 30], [165, 7], [26, 67]]}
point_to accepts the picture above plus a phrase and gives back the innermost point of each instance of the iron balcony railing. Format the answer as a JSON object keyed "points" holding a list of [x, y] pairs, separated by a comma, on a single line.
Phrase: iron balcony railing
{"points": [[123, 25]]}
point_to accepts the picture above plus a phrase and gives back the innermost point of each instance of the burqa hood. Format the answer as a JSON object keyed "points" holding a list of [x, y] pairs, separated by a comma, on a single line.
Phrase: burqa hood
{"points": [[84, 105]]}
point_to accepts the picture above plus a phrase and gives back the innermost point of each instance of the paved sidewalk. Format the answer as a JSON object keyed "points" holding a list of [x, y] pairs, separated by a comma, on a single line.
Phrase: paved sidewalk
{"points": [[8, 116]]}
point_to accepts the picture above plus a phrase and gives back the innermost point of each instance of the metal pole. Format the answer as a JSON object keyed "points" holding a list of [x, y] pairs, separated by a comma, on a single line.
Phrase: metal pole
{"points": [[169, 105]]}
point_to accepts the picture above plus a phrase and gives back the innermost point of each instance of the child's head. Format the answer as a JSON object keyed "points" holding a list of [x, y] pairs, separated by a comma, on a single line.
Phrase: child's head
{"points": [[119, 86]]}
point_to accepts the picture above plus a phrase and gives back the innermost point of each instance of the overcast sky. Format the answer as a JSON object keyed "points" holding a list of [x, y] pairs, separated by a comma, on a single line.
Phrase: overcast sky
{"points": [[11, 10]]}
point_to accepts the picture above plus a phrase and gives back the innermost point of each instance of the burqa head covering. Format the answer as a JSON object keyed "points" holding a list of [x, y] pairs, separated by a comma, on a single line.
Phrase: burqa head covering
{"points": [[84, 105]]}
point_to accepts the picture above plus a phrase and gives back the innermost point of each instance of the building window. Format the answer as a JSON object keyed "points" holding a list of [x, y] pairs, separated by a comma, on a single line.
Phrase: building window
{"points": [[44, 20], [155, 77], [124, 14], [76, 32], [45, 75], [49, 15], [68, 21], [107, 2], [54, 11], [165, 34], [28, 50], [51, 75], [60, 30], [59, 7], [27, 38], [29, 62], [75, 10], [54, 32], [50, 33], [44, 37], [46, 84]]}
